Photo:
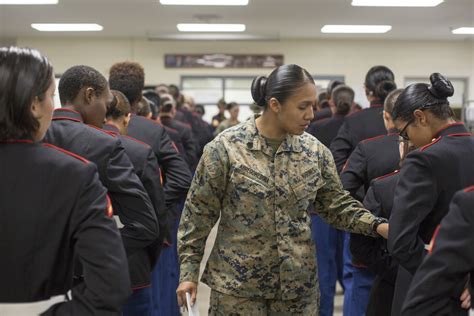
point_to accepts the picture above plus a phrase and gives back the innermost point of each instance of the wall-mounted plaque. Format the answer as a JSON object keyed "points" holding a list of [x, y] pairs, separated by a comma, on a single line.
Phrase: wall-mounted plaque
{"points": [[223, 61]]}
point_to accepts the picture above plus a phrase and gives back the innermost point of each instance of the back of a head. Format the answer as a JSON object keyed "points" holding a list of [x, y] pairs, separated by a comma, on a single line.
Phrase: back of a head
{"points": [[162, 88], [174, 91], [390, 100], [332, 85], [143, 107], [155, 102], [128, 78], [78, 77], [281, 84], [421, 96], [24, 75], [167, 103], [380, 81], [120, 107], [343, 98]]}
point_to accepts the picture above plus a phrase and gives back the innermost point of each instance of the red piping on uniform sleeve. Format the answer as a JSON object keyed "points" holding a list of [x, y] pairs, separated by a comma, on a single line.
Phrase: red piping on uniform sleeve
{"points": [[84, 160], [433, 239], [109, 211], [175, 148], [469, 189], [387, 175]]}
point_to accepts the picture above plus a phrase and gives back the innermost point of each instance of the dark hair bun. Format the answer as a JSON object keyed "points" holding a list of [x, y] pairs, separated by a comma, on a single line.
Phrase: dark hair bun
{"points": [[258, 90], [440, 86], [384, 87]]}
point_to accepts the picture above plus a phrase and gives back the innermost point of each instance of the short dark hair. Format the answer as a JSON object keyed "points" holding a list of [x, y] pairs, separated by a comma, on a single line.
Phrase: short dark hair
{"points": [[343, 97], [380, 81], [421, 96], [155, 102], [119, 107], [332, 85], [143, 107], [128, 78], [231, 105], [167, 102], [78, 77], [390, 100], [24, 75], [282, 83]]}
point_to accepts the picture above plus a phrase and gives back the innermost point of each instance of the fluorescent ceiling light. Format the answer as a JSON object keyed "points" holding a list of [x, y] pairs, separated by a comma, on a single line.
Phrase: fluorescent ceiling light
{"points": [[205, 2], [356, 28], [202, 27], [464, 30], [22, 2], [67, 27], [396, 3]]}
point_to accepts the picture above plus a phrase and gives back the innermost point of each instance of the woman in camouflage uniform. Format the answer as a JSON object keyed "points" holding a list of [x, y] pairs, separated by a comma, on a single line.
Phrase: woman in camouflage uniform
{"points": [[261, 177]]}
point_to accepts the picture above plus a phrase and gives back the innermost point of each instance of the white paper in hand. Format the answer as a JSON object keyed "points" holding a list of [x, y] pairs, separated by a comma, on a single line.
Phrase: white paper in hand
{"points": [[192, 310]]}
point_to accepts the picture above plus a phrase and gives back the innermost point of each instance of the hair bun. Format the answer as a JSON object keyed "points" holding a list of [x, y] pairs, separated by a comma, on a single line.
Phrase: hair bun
{"points": [[440, 86], [384, 87], [258, 90]]}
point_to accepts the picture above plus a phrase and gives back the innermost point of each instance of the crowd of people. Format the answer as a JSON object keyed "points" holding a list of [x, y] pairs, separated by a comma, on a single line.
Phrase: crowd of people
{"points": [[107, 201]]}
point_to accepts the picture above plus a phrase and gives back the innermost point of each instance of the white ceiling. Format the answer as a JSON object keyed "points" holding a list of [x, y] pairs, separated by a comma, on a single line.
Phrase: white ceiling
{"points": [[280, 19]]}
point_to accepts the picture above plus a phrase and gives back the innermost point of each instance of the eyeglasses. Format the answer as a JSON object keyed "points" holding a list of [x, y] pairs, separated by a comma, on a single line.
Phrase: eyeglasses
{"points": [[403, 133]]}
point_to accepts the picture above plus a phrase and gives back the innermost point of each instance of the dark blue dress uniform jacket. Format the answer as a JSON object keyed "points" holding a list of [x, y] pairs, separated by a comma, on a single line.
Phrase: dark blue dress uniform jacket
{"points": [[326, 130], [357, 127], [147, 169], [53, 209], [428, 180], [187, 139], [442, 275], [373, 252], [129, 199], [177, 177], [372, 158]]}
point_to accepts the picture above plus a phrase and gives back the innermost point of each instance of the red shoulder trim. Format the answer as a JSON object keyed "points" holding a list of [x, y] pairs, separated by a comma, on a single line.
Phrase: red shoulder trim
{"points": [[433, 240], [448, 126], [387, 175], [431, 144], [469, 189], [175, 147], [84, 160], [372, 138], [140, 287], [57, 118], [103, 131], [460, 134], [67, 110], [16, 141], [138, 141], [109, 210]]}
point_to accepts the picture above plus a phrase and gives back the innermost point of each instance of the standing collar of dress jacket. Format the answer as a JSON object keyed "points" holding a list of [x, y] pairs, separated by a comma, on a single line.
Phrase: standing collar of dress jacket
{"points": [[67, 114], [254, 140]]}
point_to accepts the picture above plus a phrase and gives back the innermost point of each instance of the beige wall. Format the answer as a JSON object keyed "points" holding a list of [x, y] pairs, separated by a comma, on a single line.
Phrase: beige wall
{"points": [[351, 58]]}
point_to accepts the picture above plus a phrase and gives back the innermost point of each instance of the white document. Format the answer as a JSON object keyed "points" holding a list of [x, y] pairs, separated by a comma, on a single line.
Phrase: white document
{"points": [[192, 310]]}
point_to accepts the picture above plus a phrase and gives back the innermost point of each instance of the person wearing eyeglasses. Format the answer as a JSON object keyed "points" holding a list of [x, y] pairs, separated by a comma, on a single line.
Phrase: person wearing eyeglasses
{"points": [[441, 165]]}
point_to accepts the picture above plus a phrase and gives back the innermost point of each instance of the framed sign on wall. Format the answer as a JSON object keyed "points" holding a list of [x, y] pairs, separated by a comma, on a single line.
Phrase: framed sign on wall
{"points": [[223, 61]]}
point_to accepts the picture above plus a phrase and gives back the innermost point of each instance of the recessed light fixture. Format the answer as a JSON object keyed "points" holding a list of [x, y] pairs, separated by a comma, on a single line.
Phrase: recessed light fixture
{"points": [[67, 27], [396, 3], [356, 28], [202, 27], [28, 2], [204, 2], [464, 30]]}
